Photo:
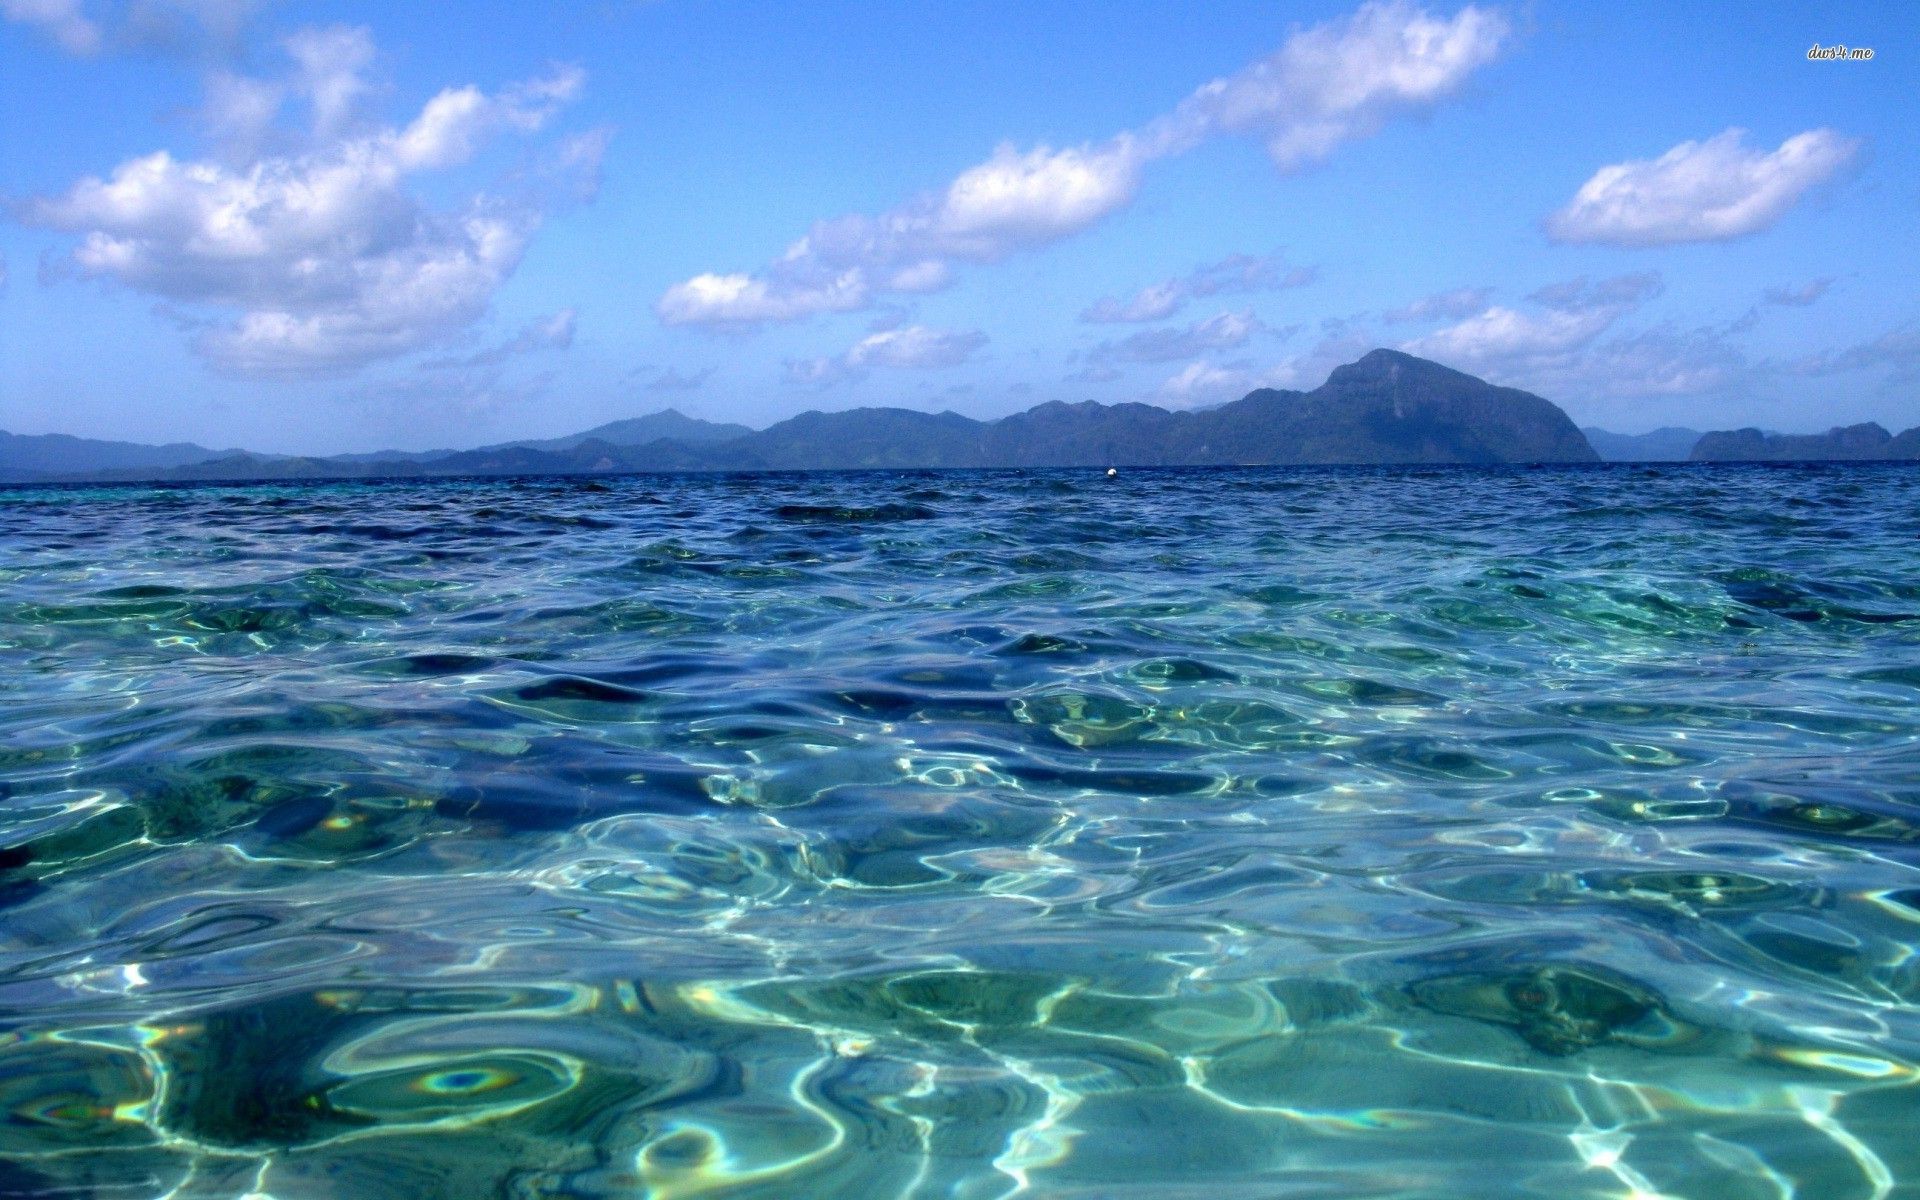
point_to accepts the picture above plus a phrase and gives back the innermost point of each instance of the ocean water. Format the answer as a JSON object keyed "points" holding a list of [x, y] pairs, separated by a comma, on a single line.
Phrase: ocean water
{"points": [[1405, 833]]}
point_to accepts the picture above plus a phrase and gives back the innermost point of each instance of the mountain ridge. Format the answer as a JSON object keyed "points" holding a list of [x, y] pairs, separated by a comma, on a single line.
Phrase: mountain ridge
{"points": [[1388, 407], [54, 453]]}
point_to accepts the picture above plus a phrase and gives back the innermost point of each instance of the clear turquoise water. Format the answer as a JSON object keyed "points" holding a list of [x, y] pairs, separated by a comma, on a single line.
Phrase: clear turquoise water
{"points": [[1329, 834]]}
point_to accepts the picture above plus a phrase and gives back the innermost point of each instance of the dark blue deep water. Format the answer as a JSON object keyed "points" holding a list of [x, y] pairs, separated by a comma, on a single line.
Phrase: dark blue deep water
{"points": [[1207, 834]]}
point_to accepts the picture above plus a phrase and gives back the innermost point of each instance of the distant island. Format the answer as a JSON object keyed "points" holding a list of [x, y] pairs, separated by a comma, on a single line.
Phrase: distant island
{"points": [[1387, 408], [1867, 442]]}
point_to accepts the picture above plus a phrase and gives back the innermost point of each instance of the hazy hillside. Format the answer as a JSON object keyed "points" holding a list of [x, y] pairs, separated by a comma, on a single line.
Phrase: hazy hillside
{"points": [[1670, 443]]}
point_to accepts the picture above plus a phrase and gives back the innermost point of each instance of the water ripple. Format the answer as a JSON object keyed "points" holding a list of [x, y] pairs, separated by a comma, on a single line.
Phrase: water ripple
{"points": [[1243, 833]]}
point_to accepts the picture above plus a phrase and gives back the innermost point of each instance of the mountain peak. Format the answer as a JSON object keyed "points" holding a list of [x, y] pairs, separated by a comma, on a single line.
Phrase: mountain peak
{"points": [[1384, 364]]}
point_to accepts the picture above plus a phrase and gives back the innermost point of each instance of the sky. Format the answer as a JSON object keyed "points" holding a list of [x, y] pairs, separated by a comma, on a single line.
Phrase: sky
{"points": [[321, 228]]}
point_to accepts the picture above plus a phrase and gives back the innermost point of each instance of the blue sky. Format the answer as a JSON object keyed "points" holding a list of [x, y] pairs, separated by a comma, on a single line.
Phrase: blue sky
{"points": [[332, 227]]}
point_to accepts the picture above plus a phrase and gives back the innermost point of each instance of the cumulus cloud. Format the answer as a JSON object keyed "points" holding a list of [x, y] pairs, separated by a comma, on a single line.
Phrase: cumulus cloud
{"points": [[1568, 342], [61, 20], [909, 347], [1569, 316], [1707, 191], [1204, 384], [320, 259], [1344, 80], [916, 346], [331, 64], [1326, 85], [1222, 331], [1449, 305], [1237, 273], [1500, 334]]}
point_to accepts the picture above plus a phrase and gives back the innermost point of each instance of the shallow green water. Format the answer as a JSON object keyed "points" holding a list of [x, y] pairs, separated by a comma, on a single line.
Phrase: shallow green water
{"points": [[1211, 834]]}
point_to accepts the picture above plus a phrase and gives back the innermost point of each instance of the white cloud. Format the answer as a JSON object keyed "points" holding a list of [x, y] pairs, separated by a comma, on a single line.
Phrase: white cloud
{"points": [[912, 347], [319, 260], [1236, 273], [1450, 305], [1011, 201], [330, 64], [1569, 345], [329, 67], [1568, 317], [1222, 331], [1498, 333], [1326, 85], [1571, 316], [741, 299], [61, 20], [1344, 80], [1201, 384], [916, 346], [1016, 199], [1700, 191]]}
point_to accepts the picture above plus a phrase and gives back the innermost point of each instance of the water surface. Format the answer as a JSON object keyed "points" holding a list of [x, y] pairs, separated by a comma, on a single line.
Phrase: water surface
{"points": [[1216, 834]]}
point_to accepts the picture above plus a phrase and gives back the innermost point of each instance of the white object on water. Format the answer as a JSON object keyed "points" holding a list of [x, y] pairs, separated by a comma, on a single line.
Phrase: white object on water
{"points": [[1112, 471]]}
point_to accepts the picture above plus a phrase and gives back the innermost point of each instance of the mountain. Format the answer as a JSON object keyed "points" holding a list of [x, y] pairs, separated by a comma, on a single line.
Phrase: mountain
{"points": [[668, 424], [1389, 407], [248, 466], [1670, 443], [1867, 442], [24, 456]]}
